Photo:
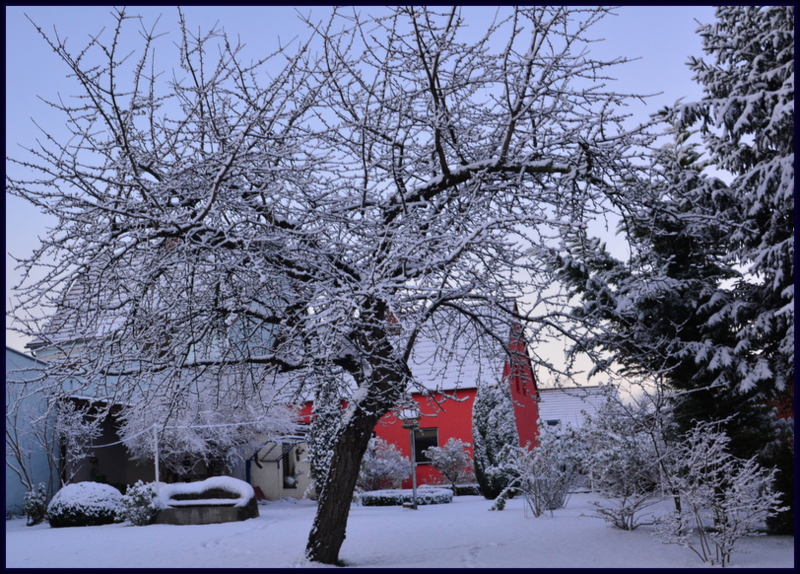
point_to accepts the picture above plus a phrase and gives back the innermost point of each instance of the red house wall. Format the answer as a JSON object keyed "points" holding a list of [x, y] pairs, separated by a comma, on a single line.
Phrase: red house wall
{"points": [[451, 415], [517, 373]]}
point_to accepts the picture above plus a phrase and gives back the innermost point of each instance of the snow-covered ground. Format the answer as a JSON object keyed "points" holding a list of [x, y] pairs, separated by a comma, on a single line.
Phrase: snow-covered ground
{"points": [[460, 534]]}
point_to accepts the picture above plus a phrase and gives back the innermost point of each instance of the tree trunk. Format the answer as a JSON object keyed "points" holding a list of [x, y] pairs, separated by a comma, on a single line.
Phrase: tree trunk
{"points": [[385, 381], [328, 532]]}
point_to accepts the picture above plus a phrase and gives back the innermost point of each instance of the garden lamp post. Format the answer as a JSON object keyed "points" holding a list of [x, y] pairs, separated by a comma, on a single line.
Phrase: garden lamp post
{"points": [[410, 418]]}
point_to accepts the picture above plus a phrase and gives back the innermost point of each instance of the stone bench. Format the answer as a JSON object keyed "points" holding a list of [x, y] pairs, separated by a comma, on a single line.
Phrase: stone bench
{"points": [[212, 501], [198, 512]]}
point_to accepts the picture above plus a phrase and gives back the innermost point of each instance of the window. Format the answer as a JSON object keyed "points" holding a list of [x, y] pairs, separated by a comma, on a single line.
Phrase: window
{"points": [[424, 438], [289, 476], [553, 422]]}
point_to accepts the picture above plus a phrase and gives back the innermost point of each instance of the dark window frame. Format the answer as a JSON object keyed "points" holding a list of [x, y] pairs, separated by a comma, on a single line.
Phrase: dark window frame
{"points": [[422, 442]]}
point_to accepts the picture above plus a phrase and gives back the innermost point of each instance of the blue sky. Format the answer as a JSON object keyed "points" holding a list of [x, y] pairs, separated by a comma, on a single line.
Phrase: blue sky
{"points": [[661, 37]]}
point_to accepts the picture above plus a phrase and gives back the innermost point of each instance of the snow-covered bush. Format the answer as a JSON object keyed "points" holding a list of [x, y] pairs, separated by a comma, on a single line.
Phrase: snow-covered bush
{"points": [[35, 504], [452, 460], [723, 498], [140, 503], [493, 428], [85, 504], [383, 466], [625, 456], [542, 475], [399, 497]]}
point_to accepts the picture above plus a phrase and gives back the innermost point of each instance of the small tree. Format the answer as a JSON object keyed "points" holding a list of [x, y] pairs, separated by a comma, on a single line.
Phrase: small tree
{"points": [[452, 460], [383, 466], [493, 428], [723, 498]]}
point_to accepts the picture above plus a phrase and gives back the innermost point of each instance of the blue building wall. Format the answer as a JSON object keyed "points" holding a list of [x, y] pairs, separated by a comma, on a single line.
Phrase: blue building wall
{"points": [[21, 390]]}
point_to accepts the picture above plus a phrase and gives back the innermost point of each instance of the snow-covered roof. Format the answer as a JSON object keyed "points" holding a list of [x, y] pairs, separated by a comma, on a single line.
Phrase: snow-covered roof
{"points": [[566, 404], [455, 365]]}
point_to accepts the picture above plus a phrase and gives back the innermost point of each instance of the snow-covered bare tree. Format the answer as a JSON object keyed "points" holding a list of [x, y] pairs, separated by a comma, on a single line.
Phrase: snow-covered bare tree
{"points": [[325, 212], [193, 428], [383, 466], [452, 460], [56, 427], [76, 428], [493, 427], [30, 427]]}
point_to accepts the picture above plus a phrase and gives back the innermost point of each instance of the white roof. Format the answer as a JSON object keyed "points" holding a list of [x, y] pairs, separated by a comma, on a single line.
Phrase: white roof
{"points": [[440, 366], [566, 404]]}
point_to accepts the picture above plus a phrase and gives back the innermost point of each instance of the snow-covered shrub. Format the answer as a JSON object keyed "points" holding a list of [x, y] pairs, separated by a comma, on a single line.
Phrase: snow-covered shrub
{"points": [[383, 466], [625, 457], [399, 497], [35, 505], [542, 475], [452, 460], [140, 503], [85, 504], [493, 428], [473, 489], [723, 498]]}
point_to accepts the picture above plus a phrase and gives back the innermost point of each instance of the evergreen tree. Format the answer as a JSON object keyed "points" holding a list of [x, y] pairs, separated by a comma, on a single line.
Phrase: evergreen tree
{"points": [[747, 116], [493, 427], [705, 303], [747, 123]]}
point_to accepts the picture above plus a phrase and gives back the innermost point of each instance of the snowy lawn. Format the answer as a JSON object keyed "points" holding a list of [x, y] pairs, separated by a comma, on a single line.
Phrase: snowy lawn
{"points": [[460, 534]]}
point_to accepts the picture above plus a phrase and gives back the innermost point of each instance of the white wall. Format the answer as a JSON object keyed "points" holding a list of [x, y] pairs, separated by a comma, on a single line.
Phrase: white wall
{"points": [[270, 476]]}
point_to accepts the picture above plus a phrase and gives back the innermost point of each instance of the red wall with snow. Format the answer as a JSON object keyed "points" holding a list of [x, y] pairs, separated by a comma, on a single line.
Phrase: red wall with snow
{"points": [[450, 412]]}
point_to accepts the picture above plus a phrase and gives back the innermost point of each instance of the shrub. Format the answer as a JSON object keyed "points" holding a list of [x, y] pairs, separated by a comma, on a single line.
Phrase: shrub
{"points": [[383, 466], [399, 497], [452, 460], [35, 505], [542, 475], [723, 498], [85, 504], [473, 489], [140, 503]]}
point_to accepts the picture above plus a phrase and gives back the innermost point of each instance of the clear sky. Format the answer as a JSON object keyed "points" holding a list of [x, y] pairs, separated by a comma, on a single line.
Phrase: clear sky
{"points": [[662, 37]]}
